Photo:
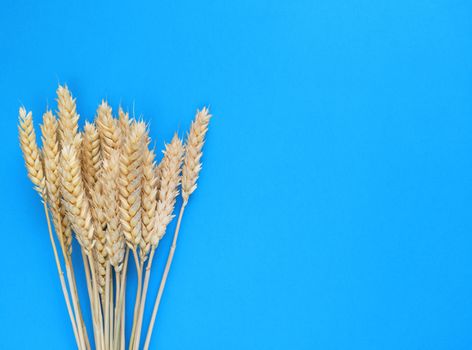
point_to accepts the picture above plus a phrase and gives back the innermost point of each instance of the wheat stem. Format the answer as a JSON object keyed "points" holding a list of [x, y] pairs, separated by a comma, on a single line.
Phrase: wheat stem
{"points": [[110, 326], [139, 269], [61, 278], [164, 277], [91, 299], [143, 299], [96, 297], [120, 304], [70, 267], [123, 306], [107, 305], [78, 314]]}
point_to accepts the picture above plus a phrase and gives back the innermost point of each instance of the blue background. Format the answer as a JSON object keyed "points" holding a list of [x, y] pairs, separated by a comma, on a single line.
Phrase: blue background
{"points": [[334, 207]]}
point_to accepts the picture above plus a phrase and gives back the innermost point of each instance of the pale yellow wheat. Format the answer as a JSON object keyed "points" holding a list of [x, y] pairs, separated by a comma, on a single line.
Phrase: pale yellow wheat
{"points": [[169, 183], [115, 240], [74, 198], [93, 180], [31, 152], [109, 130], [149, 200], [193, 152], [91, 158], [51, 158], [98, 205], [68, 117], [130, 184]]}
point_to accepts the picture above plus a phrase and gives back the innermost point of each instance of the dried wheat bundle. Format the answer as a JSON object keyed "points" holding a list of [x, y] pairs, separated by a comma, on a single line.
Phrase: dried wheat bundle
{"points": [[104, 187]]}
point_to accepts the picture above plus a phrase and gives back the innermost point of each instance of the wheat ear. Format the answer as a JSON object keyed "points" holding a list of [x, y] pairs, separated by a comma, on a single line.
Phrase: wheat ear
{"points": [[109, 130], [169, 183], [31, 152], [91, 157], [91, 163], [193, 152], [51, 159], [115, 240], [68, 117], [74, 198], [98, 206], [149, 201], [130, 184]]}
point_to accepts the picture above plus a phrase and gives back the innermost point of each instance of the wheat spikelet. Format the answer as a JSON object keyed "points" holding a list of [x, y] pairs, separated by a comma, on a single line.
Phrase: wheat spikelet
{"points": [[193, 152], [149, 200], [91, 161], [109, 130], [168, 191], [51, 158], [130, 184], [31, 152], [115, 240], [74, 198], [68, 117]]}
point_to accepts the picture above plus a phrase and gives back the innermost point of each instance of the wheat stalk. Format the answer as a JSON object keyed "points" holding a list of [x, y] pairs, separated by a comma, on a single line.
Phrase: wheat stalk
{"points": [[79, 213], [130, 187], [36, 174], [51, 157], [169, 181], [149, 206], [191, 169]]}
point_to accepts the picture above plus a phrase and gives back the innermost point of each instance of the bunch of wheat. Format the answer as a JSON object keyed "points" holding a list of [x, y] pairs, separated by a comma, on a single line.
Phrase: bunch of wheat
{"points": [[102, 186]]}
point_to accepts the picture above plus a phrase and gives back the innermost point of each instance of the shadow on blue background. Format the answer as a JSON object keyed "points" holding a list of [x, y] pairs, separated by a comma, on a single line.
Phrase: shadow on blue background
{"points": [[334, 207]]}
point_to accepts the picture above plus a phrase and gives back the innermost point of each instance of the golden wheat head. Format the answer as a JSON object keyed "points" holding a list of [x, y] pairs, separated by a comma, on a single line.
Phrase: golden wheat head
{"points": [[109, 130], [31, 152], [51, 159], [68, 117], [115, 240], [130, 184], [91, 157], [193, 152], [74, 197], [169, 183], [149, 200]]}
